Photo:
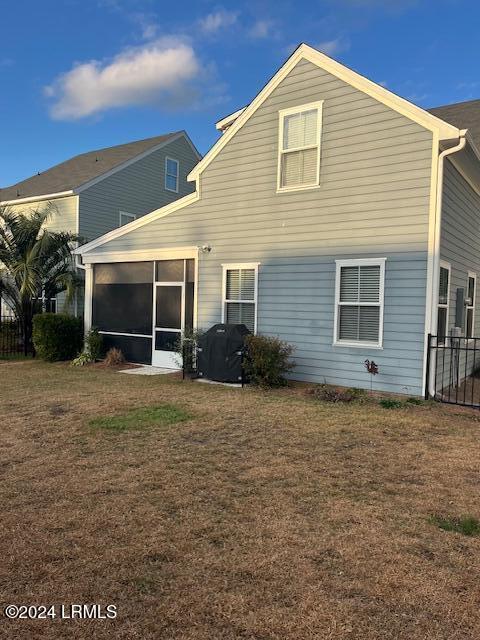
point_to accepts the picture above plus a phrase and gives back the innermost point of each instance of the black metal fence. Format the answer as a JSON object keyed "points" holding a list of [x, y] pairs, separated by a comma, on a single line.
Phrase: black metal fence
{"points": [[453, 370], [11, 337]]}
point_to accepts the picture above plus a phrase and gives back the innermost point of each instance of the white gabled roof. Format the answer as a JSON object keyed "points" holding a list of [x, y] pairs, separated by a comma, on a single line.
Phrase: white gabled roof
{"points": [[235, 121]]}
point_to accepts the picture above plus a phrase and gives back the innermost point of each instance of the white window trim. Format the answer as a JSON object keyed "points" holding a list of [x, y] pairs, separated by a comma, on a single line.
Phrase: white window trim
{"points": [[356, 262], [281, 120], [240, 265], [471, 274], [177, 162], [132, 217]]}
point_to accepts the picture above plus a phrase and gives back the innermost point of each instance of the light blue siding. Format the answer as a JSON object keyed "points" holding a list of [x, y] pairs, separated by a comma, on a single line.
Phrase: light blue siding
{"points": [[373, 201]]}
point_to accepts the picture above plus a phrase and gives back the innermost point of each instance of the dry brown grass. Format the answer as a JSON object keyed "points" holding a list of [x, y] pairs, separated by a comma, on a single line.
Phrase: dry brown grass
{"points": [[269, 516]]}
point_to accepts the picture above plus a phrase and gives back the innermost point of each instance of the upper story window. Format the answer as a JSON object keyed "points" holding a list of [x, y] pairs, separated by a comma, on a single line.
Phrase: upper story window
{"points": [[171, 174], [125, 218], [359, 294], [299, 147]]}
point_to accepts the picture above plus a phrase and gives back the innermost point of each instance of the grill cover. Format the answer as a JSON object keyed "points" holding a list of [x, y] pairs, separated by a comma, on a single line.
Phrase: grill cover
{"points": [[219, 353]]}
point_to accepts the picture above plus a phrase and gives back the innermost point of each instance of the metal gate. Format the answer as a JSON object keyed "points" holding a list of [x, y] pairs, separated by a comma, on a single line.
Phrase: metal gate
{"points": [[453, 369]]}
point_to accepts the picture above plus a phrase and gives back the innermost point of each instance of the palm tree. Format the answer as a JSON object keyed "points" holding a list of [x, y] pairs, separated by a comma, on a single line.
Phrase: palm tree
{"points": [[34, 264]]}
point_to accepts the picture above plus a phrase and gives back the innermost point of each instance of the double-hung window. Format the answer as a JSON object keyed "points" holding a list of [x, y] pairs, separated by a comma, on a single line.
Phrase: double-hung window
{"points": [[443, 300], [359, 294], [171, 174], [240, 283], [299, 147], [470, 305]]}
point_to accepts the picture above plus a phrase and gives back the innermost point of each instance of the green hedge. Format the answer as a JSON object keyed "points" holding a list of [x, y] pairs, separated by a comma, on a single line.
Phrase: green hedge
{"points": [[57, 336]]}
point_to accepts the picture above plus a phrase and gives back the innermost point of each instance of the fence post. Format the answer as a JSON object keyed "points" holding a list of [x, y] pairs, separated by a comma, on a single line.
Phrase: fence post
{"points": [[427, 372]]}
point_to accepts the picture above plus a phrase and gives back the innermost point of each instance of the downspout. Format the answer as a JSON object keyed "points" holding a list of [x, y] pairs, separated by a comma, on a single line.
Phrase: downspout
{"points": [[437, 241]]}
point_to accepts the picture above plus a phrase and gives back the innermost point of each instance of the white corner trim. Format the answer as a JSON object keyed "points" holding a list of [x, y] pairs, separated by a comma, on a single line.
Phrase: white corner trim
{"points": [[358, 262], [305, 52], [47, 196], [127, 163], [139, 222]]}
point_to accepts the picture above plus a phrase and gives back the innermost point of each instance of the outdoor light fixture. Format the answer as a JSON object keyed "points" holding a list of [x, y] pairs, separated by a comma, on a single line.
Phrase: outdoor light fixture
{"points": [[206, 248]]}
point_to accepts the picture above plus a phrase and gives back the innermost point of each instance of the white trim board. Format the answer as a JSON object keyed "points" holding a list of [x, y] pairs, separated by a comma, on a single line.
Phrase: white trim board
{"points": [[142, 255], [305, 52]]}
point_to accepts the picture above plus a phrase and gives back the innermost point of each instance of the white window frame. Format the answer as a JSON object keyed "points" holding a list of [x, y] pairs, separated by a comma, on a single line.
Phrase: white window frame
{"points": [[359, 262], [132, 217], [225, 301], [471, 306], [281, 151], [167, 158], [448, 267]]}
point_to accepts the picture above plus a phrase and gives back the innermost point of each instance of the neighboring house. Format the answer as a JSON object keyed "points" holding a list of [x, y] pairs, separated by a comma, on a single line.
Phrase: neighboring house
{"points": [[101, 190], [331, 213]]}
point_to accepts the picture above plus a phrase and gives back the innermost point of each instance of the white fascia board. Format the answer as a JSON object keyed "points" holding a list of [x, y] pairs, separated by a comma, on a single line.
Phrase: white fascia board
{"points": [[142, 255], [444, 130], [46, 196], [139, 222], [224, 123], [127, 163]]}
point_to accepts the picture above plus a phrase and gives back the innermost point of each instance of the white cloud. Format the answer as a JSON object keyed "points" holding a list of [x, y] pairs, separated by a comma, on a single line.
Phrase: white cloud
{"points": [[333, 47], [163, 72], [221, 19], [261, 29]]}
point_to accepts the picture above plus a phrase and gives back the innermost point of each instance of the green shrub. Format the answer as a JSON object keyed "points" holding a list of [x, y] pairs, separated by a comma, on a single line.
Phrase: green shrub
{"points": [[94, 344], [267, 361], [57, 336], [390, 403], [83, 359]]}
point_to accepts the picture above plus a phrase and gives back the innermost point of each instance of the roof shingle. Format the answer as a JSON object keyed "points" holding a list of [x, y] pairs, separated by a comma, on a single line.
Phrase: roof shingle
{"points": [[76, 171], [464, 115]]}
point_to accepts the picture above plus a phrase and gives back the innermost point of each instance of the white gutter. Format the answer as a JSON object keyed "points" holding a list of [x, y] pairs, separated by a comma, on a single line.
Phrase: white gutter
{"points": [[47, 196], [437, 240]]}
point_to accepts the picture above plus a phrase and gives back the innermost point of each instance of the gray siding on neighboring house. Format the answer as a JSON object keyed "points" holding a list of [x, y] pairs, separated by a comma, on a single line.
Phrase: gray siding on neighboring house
{"points": [[138, 189], [373, 202]]}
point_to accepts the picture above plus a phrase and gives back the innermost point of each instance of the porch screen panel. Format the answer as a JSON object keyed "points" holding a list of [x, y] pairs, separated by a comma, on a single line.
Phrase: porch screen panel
{"points": [[123, 297]]}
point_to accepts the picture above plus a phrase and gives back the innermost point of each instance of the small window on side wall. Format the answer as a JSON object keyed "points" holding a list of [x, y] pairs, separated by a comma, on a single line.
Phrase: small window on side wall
{"points": [[470, 305], [171, 174], [443, 302], [125, 218], [299, 147], [240, 283]]}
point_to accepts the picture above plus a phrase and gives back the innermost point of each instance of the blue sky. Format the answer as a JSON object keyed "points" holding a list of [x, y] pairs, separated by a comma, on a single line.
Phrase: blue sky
{"points": [[84, 74]]}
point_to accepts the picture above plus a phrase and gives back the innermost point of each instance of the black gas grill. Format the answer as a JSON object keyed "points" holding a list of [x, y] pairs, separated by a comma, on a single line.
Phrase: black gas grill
{"points": [[220, 353]]}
